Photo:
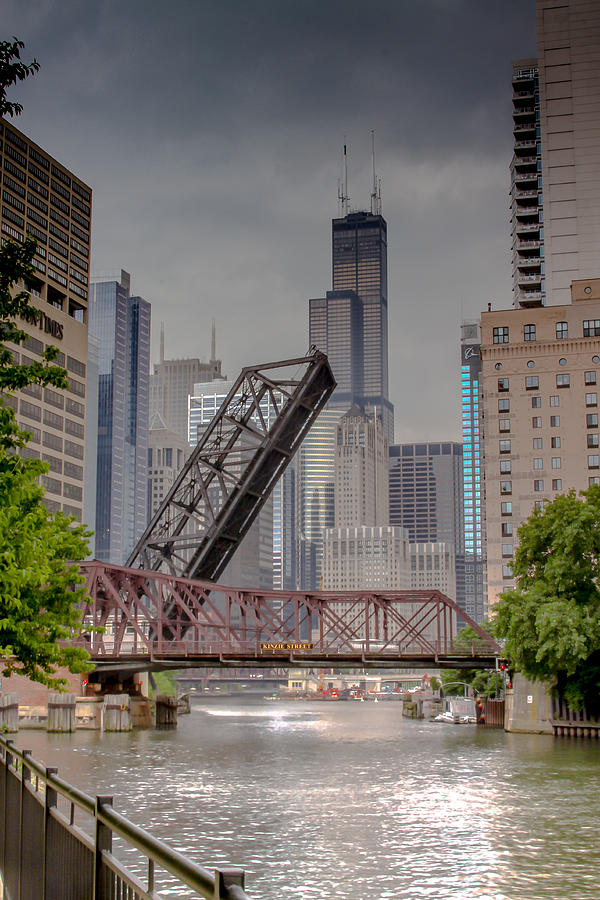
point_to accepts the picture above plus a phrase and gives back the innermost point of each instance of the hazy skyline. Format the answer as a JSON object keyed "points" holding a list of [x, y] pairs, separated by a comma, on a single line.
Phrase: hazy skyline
{"points": [[211, 135]]}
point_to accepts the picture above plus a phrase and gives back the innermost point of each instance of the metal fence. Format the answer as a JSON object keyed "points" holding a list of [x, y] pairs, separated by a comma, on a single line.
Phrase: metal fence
{"points": [[45, 854]]}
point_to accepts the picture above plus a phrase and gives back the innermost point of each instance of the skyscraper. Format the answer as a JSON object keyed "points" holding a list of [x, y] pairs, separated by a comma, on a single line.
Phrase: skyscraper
{"points": [[172, 384], [359, 264], [361, 495], [121, 323], [42, 198]]}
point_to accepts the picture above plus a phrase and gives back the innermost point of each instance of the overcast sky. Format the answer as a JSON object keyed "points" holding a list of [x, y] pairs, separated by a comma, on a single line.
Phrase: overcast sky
{"points": [[211, 132]]}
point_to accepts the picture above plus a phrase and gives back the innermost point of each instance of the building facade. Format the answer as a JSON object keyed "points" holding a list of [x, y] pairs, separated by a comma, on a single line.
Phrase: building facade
{"points": [[540, 376], [167, 452], [121, 324], [426, 498], [361, 495], [44, 199]]}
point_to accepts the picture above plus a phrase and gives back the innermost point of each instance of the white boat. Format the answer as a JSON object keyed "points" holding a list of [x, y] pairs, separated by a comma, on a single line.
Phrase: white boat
{"points": [[458, 711]]}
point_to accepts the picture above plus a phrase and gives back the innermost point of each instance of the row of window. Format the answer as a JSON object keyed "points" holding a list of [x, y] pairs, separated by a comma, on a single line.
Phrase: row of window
{"points": [[591, 328], [532, 383]]}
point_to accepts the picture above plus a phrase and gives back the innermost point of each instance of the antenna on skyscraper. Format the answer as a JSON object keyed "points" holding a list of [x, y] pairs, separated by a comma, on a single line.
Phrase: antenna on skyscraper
{"points": [[343, 185], [376, 190]]}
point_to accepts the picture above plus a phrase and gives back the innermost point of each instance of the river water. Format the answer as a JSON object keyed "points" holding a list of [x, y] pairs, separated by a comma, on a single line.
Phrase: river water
{"points": [[351, 800]]}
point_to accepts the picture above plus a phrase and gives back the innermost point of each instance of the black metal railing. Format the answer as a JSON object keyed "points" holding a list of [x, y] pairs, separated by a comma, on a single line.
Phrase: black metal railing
{"points": [[46, 853]]}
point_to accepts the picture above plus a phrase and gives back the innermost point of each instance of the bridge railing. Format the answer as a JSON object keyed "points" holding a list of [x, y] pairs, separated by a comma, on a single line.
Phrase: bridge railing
{"points": [[45, 853]]}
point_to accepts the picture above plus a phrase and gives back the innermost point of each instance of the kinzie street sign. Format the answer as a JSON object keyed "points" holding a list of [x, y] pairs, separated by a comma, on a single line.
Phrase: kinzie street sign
{"points": [[270, 646]]}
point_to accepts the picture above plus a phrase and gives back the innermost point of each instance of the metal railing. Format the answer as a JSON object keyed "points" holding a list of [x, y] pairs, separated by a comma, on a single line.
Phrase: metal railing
{"points": [[46, 855]]}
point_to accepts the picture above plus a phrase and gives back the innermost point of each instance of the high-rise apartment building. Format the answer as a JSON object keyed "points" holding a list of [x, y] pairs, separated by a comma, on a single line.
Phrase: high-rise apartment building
{"points": [[555, 170], [172, 384], [167, 452], [121, 323], [44, 199], [540, 376]]}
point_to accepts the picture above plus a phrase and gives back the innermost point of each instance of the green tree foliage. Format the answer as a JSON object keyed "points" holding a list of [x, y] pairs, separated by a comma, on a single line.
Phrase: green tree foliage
{"points": [[41, 588], [488, 684], [551, 619]]}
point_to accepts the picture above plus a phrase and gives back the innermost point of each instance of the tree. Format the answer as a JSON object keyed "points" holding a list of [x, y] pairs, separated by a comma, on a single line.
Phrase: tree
{"points": [[488, 684], [551, 619], [41, 588]]}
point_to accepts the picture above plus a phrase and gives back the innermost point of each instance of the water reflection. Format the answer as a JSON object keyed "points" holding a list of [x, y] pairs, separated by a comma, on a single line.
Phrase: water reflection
{"points": [[348, 800]]}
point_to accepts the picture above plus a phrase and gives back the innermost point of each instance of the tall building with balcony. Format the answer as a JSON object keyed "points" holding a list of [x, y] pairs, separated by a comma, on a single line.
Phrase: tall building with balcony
{"points": [[555, 170], [121, 324], [44, 199], [526, 195]]}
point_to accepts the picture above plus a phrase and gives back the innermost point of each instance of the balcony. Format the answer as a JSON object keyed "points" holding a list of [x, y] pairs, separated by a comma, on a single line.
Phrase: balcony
{"points": [[525, 145], [529, 245], [524, 280], [523, 227], [520, 194], [525, 161], [530, 298], [529, 262], [524, 111], [522, 178], [523, 94]]}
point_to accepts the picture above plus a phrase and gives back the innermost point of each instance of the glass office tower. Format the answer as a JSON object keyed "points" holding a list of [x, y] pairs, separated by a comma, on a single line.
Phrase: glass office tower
{"points": [[359, 265], [121, 324], [473, 473]]}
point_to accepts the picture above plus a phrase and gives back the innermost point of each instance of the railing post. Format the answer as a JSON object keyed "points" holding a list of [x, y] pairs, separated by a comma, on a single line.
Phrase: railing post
{"points": [[7, 746], [225, 879], [51, 801], [25, 776], [102, 841]]}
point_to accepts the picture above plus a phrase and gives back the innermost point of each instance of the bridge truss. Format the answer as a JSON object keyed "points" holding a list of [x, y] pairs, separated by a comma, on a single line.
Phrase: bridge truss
{"points": [[234, 467], [213, 625]]}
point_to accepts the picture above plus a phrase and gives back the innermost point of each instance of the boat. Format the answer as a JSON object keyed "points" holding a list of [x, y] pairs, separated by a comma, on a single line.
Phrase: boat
{"points": [[458, 711]]}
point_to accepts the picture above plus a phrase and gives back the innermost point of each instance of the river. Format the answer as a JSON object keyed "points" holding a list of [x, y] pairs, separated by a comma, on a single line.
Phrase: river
{"points": [[351, 800]]}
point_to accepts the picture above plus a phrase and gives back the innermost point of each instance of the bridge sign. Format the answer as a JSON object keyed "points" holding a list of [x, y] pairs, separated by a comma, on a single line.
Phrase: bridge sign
{"points": [[274, 646]]}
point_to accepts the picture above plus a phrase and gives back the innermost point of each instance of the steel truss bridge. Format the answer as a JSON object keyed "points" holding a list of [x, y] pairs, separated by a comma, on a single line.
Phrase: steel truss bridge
{"points": [[141, 620], [166, 609]]}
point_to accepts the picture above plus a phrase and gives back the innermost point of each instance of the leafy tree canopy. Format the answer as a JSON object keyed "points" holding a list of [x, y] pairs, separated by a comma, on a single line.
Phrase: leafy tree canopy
{"points": [[41, 588], [551, 619], [488, 684]]}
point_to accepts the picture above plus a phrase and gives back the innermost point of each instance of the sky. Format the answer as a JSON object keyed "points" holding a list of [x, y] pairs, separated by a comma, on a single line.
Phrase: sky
{"points": [[211, 133]]}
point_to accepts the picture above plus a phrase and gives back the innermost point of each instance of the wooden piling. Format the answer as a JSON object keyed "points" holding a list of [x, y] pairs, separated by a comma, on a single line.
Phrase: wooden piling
{"points": [[61, 713], [166, 710], [116, 712]]}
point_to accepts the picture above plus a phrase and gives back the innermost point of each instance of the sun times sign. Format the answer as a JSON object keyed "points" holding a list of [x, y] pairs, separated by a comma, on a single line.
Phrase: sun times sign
{"points": [[51, 327]]}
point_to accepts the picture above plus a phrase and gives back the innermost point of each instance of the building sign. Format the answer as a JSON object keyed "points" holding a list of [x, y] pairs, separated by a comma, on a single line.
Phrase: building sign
{"points": [[274, 646], [51, 327]]}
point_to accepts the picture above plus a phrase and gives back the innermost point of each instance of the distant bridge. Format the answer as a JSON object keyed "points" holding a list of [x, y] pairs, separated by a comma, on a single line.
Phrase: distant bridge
{"points": [[152, 621]]}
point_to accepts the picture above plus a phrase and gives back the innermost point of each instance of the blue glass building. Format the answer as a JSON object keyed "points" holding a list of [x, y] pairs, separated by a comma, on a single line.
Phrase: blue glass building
{"points": [[121, 323], [475, 555]]}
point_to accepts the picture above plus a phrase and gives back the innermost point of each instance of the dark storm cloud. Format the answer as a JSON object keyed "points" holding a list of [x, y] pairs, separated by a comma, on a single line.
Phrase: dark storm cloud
{"points": [[211, 135]]}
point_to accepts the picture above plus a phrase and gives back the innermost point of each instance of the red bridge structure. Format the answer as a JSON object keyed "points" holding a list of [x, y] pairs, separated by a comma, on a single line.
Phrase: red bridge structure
{"points": [[166, 609], [149, 620]]}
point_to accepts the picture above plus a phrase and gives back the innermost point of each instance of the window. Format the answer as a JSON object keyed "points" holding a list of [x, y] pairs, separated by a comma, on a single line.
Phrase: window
{"points": [[501, 335], [555, 443], [591, 420], [536, 422], [536, 402], [593, 440], [504, 446], [538, 443], [504, 405], [506, 487], [538, 463], [539, 504], [563, 381], [556, 462], [529, 332], [506, 508], [538, 485], [562, 331], [507, 571], [505, 466], [593, 479], [507, 529], [504, 424], [503, 384], [591, 399], [591, 327], [507, 550], [557, 484], [590, 377], [532, 382], [554, 400], [593, 462], [554, 421]]}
